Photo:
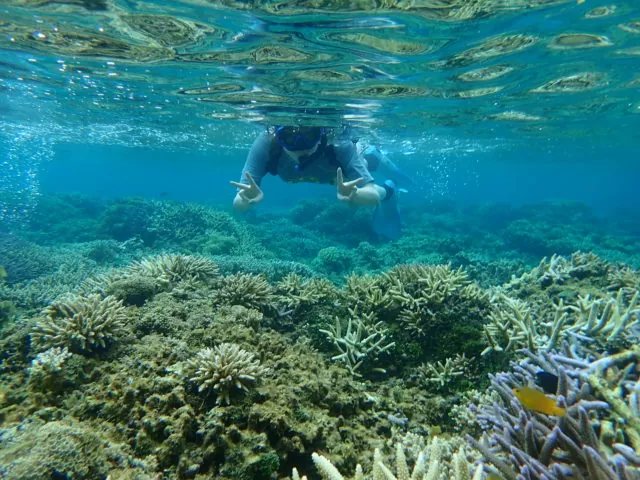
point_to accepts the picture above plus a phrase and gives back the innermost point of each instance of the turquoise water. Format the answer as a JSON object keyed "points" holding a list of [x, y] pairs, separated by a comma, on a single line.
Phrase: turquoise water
{"points": [[148, 331], [480, 101]]}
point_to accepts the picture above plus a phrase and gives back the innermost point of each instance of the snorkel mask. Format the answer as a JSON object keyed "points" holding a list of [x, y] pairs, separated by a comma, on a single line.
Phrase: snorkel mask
{"points": [[296, 139]]}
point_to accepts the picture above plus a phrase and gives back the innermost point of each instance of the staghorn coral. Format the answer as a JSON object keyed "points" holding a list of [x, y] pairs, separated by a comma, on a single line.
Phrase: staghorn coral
{"points": [[621, 276], [609, 320], [441, 374], [431, 463], [251, 291], [46, 370], [49, 361], [145, 278], [169, 270], [80, 323], [367, 293], [272, 269], [422, 293], [296, 293], [558, 269], [223, 369], [361, 340], [597, 438], [513, 325], [417, 283]]}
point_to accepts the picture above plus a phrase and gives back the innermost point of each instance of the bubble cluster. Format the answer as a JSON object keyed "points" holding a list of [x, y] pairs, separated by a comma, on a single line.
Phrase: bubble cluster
{"points": [[19, 185]]}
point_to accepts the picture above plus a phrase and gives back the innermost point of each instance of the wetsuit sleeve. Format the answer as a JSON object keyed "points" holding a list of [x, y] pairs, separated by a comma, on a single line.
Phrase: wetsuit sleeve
{"points": [[353, 165], [257, 160]]}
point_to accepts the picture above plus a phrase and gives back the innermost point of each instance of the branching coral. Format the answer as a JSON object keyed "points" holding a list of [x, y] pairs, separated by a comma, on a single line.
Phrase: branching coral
{"points": [[294, 292], [419, 284], [172, 269], [223, 369], [558, 269], [430, 464], [441, 374], [80, 323], [251, 291], [607, 319], [367, 294], [512, 324], [421, 292], [622, 277], [596, 438], [149, 276], [362, 339]]}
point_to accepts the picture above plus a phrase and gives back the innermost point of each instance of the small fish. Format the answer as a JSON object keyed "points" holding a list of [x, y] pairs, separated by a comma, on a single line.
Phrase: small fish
{"points": [[547, 381], [537, 401], [580, 2]]}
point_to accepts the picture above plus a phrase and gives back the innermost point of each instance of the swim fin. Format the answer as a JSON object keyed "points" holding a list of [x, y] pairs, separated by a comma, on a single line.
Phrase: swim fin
{"points": [[386, 217]]}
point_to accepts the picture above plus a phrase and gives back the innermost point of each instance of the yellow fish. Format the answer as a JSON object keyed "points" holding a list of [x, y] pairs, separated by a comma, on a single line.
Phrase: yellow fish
{"points": [[579, 2], [537, 401]]}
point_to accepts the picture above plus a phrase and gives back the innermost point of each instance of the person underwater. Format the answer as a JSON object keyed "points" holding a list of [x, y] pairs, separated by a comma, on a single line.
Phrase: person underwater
{"points": [[317, 155]]}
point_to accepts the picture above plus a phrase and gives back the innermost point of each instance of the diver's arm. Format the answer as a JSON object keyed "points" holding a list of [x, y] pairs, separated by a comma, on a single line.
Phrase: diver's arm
{"points": [[255, 168], [368, 195], [361, 192], [248, 194]]}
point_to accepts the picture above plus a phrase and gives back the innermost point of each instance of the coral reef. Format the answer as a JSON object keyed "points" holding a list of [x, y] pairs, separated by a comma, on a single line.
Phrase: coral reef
{"points": [[242, 364]]}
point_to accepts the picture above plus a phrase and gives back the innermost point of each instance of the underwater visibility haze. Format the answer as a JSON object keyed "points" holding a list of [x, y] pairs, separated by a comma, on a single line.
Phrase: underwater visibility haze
{"points": [[150, 331]]}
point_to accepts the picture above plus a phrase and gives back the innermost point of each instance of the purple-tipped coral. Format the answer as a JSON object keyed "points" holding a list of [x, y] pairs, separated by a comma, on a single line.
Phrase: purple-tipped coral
{"points": [[598, 437]]}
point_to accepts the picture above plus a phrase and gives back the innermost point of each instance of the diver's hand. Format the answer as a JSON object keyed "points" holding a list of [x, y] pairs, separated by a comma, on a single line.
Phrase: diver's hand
{"points": [[249, 194], [346, 190]]}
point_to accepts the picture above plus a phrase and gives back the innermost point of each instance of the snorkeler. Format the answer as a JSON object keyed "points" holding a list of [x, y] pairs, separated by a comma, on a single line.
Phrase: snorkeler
{"points": [[314, 154]]}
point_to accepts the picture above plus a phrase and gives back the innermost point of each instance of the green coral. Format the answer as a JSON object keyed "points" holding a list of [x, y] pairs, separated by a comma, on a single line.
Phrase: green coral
{"points": [[334, 259], [7, 311]]}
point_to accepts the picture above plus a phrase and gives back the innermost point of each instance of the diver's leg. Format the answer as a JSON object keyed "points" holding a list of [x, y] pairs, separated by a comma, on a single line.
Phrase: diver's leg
{"points": [[386, 217], [379, 162]]}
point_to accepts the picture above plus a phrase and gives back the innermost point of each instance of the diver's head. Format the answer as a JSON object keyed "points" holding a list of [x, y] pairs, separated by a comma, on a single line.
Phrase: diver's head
{"points": [[299, 141]]}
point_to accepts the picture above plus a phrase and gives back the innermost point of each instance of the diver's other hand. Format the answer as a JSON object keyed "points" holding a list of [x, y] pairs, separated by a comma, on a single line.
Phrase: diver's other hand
{"points": [[248, 195], [346, 190]]}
